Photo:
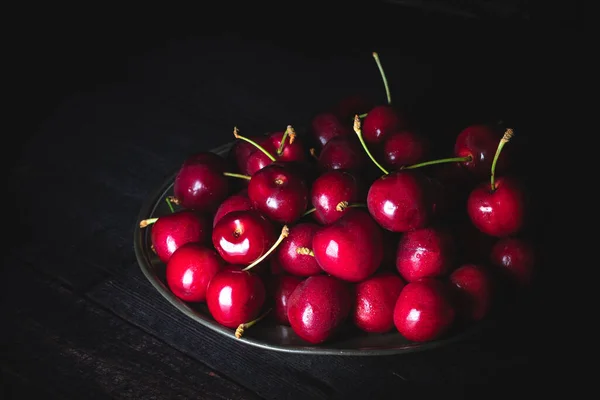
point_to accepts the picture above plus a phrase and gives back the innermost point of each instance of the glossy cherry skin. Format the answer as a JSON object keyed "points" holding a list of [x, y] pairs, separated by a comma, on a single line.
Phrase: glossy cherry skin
{"points": [[351, 248], [190, 270], [235, 202], [329, 190], [295, 151], [279, 192], [497, 213], [290, 261], [172, 231], [375, 302], [481, 142], [474, 291], [235, 297], [318, 306], [400, 201], [281, 287], [342, 152], [424, 310], [241, 237], [404, 148], [516, 258], [326, 126], [425, 253], [380, 122], [257, 160], [200, 184], [240, 152]]}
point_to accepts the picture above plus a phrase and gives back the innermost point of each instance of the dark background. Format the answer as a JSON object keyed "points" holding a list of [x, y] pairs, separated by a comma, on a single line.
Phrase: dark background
{"points": [[92, 142]]}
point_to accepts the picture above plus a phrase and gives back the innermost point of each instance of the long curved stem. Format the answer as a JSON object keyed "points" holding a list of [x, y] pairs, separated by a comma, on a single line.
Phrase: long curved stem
{"points": [[364, 145], [236, 133], [440, 161], [284, 233], [234, 175], [242, 327], [505, 139], [383, 77]]}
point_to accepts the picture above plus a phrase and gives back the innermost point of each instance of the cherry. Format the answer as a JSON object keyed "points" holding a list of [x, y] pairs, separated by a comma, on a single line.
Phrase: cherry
{"points": [[200, 183], [171, 231], [280, 288], [351, 248], [479, 142], [190, 269], [318, 307], [404, 148], [241, 237], [241, 150], [380, 122], [401, 201], [288, 147], [234, 297], [475, 291], [375, 302], [516, 258], [425, 253], [342, 152], [498, 209], [260, 157], [279, 192], [326, 126], [235, 202], [424, 310], [331, 193], [294, 254]]}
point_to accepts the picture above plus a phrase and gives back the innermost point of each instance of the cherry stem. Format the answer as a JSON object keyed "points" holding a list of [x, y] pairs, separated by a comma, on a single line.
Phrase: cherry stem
{"points": [[241, 327], [505, 139], [145, 222], [440, 161], [288, 132], [312, 210], [173, 200], [305, 251], [313, 153], [342, 205], [364, 145], [236, 133], [285, 231], [382, 72], [168, 200], [234, 175]]}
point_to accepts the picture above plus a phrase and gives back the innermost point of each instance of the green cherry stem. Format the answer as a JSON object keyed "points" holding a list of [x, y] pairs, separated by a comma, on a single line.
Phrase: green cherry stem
{"points": [[292, 135], [383, 77], [168, 200], [364, 145], [284, 233], [234, 175], [312, 210], [145, 222], [505, 139], [242, 327], [440, 161], [236, 133], [342, 205]]}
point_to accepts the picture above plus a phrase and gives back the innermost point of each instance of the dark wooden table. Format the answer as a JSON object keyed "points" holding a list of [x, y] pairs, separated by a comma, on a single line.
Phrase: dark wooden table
{"points": [[79, 320]]}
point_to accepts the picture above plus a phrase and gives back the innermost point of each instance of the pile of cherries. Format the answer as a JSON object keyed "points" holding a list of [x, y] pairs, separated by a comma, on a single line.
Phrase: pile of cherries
{"points": [[349, 223]]}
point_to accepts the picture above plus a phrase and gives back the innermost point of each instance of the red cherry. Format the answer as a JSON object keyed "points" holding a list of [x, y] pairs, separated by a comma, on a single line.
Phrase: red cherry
{"points": [[375, 302], [281, 287], [279, 192], [380, 122], [331, 193], [480, 142], [342, 152], [400, 201], [172, 231], [326, 126], [241, 151], [318, 307], [257, 160], [351, 248], [236, 202], [293, 149], [500, 212], [200, 183], [241, 237], [516, 258], [424, 310], [294, 253], [425, 253], [190, 269], [404, 148], [235, 297], [475, 287]]}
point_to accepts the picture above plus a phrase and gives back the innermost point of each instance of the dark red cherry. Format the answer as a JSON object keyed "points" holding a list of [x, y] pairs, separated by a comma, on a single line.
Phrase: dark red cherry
{"points": [[240, 152], [342, 152], [294, 254], [190, 269], [172, 231], [516, 258], [331, 193], [481, 142], [241, 237], [235, 202], [326, 126], [235, 297], [475, 291], [404, 148], [380, 122], [294, 151], [200, 183], [281, 287], [375, 301]]}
